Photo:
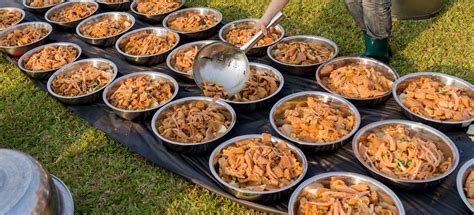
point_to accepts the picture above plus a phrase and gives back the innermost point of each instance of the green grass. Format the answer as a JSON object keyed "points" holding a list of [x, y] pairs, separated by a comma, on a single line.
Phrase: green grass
{"points": [[105, 177]]}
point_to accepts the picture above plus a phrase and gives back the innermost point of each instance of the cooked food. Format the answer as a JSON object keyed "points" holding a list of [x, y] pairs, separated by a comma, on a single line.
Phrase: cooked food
{"points": [[356, 81], [431, 98], [141, 92], [213, 89], [192, 21], [396, 152], [73, 11], [311, 120], [113, 1], [184, 59], [9, 18], [301, 52], [51, 57], [106, 27], [339, 196], [258, 164], [147, 43], [242, 33], [194, 122], [23, 35], [469, 187], [44, 3], [82, 81], [156, 6]]}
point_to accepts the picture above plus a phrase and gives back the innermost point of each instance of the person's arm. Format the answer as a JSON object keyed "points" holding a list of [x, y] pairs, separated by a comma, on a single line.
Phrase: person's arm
{"points": [[273, 8]]}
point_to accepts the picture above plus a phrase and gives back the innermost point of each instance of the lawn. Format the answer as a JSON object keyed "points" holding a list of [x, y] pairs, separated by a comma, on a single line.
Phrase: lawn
{"points": [[105, 177]]}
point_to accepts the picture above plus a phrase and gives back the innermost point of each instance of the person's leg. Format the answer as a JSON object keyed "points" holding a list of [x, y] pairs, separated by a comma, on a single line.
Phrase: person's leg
{"points": [[378, 24], [355, 8]]}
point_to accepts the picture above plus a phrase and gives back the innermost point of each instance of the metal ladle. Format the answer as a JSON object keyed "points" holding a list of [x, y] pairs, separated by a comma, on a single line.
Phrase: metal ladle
{"points": [[226, 64]]}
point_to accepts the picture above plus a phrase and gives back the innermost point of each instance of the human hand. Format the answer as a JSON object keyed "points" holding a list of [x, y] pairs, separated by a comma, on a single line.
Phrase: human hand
{"points": [[261, 25]]}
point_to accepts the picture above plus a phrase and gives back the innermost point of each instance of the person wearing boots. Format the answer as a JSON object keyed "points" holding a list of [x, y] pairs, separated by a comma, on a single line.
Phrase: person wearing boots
{"points": [[373, 17]]}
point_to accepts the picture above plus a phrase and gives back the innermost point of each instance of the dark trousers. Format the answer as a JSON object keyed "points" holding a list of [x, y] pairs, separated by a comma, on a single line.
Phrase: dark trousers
{"points": [[372, 16]]}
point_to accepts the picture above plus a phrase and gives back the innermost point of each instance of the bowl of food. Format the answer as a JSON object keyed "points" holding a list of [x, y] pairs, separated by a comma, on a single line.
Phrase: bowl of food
{"points": [[147, 46], [362, 81], [240, 31], [264, 83], [465, 184], [195, 22], [193, 124], [315, 121], [82, 81], [104, 29], [135, 96], [40, 6], [10, 17], [302, 54], [181, 59], [69, 14], [258, 167], [436, 99], [114, 5], [18, 39], [155, 11], [42, 61], [405, 154], [346, 191]]}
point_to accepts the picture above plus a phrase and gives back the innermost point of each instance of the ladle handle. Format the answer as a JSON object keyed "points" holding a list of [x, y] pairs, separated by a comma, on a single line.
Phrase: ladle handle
{"points": [[259, 35]]}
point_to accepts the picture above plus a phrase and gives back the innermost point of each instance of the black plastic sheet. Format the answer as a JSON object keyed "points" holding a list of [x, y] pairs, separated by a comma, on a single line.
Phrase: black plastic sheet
{"points": [[139, 138]]}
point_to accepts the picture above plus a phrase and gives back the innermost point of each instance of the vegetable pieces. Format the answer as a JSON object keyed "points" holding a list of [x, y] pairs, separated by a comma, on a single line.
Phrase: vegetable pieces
{"points": [[82, 81], [106, 27], [301, 52], [9, 17], [24, 35], [51, 57], [147, 43], [242, 33], [156, 6], [73, 11], [192, 22]]}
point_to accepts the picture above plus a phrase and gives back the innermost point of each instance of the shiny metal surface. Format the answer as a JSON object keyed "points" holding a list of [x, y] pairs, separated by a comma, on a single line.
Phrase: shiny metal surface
{"points": [[87, 98], [386, 70], [38, 9], [137, 114], [119, 6], [153, 18], [13, 9], [400, 85], [201, 34], [147, 59], [336, 102], [256, 50], [64, 197], [17, 51], [171, 61], [301, 70], [104, 41], [46, 73], [461, 177], [71, 24], [350, 177], [443, 143], [192, 147], [260, 196]]}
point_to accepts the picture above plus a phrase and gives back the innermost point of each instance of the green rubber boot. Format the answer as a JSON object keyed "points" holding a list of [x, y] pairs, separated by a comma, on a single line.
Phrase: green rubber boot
{"points": [[377, 49]]}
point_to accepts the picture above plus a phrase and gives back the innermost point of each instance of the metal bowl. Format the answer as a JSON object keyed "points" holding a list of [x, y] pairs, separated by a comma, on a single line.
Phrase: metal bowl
{"points": [[256, 50], [38, 9], [87, 98], [386, 70], [261, 103], [70, 24], [17, 51], [301, 70], [261, 196], [349, 177], [137, 114], [336, 102], [22, 12], [28, 188], [153, 18], [400, 85], [192, 147], [461, 180], [201, 34], [118, 6], [171, 61], [104, 41], [45, 73], [147, 59], [442, 142]]}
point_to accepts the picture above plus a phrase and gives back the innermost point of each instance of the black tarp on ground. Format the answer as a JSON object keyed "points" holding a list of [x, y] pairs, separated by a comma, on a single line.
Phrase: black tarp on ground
{"points": [[139, 138]]}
